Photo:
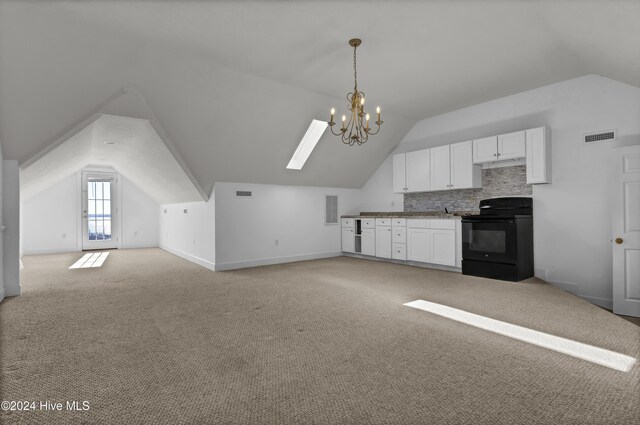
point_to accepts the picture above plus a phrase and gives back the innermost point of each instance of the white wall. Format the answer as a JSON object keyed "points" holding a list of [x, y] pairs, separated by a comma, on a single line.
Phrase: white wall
{"points": [[51, 218], [188, 231], [11, 221], [247, 228], [572, 215]]}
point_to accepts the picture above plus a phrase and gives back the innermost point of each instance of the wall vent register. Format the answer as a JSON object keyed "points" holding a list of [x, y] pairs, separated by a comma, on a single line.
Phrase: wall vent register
{"points": [[331, 209], [601, 136], [243, 193]]}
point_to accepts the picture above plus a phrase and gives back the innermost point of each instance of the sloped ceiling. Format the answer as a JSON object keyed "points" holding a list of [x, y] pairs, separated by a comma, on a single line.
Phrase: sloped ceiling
{"points": [[130, 145], [236, 84]]}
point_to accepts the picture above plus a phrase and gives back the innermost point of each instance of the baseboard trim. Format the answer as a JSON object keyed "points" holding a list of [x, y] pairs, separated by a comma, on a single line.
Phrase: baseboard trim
{"points": [[197, 260], [405, 262], [574, 288], [602, 302], [48, 251], [1, 293], [275, 260]]}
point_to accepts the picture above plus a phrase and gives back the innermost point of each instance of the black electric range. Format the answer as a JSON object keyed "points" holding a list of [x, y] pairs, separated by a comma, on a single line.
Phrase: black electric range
{"points": [[498, 243]]}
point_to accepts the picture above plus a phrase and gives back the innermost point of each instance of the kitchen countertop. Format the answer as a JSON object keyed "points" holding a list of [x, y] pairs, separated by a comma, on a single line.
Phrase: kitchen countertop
{"points": [[412, 214]]}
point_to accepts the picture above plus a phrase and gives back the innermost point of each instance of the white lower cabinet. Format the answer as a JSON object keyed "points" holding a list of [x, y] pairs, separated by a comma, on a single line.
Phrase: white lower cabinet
{"points": [[432, 241], [399, 251], [383, 241], [443, 247], [348, 240], [418, 244], [368, 242]]}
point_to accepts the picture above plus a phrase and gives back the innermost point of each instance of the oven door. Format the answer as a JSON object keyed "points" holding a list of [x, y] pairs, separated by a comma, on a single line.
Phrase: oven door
{"points": [[489, 239]]}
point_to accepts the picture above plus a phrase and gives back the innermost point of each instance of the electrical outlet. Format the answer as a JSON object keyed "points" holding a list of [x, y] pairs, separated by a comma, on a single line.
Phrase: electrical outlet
{"points": [[185, 211], [276, 242]]}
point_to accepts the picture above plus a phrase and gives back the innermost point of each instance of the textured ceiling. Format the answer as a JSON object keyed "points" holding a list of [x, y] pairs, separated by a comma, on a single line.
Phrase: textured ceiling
{"points": [[236, 84]]}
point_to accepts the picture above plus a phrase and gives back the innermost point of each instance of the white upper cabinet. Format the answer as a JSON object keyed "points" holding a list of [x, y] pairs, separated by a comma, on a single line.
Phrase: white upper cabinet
{"points": [[485, 150], [511, 145], [497, 148], [417, 166], [399, 173], [440, 168], [538, 156], [452, 167], [411, 172], [464, 174]]}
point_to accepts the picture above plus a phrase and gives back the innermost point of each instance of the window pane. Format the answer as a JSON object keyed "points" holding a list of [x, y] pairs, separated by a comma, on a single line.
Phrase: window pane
{"points": [[98, 190], [99, 210], [107, 190], [107, 229], [91, 190], [107, 209], [92, 209], [99, 230], [92, 230]]}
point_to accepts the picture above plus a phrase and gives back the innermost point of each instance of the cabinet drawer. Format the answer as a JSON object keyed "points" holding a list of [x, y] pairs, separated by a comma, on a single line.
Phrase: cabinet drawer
{"points": [[347, 222], [447, 224], [368, 223], [399, 222], [420, 223], [399, 235], [383, 222], [399, 251]]}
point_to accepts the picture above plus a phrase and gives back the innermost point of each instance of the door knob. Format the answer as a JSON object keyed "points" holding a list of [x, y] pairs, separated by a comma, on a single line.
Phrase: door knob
{"points": [[619, 241]]}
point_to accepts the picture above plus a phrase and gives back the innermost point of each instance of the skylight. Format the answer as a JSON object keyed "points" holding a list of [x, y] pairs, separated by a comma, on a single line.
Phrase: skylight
{"points": [[307, 144]]}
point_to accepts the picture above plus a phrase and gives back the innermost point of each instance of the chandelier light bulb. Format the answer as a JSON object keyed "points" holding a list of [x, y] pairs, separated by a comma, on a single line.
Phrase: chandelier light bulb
{"points": [[333, 111], [378, 110], [344, 118]]}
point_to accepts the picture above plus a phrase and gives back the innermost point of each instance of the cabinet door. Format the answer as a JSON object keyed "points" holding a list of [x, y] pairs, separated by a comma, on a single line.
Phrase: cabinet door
{"points": [[464, 174], [399, 251], [537, 156], [485, 150], [419, 245], [443, 247], [383, 242], [368, 241], [399, 173], [418, 171], [440, 168], [348, 240], [511, 145]]}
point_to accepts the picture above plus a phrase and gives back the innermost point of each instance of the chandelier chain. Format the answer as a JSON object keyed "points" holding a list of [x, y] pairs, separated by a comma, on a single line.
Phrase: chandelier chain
{"points": [[355, 71]]}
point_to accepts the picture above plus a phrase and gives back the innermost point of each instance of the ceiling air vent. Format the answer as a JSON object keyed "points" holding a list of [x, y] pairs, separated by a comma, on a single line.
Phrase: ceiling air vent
{"points": [[601, 136], [243, 193]]}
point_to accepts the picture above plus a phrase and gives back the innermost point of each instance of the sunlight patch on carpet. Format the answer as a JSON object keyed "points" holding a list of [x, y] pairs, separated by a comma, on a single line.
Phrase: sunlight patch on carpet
{"points": [[580, 350], [90, 260]]}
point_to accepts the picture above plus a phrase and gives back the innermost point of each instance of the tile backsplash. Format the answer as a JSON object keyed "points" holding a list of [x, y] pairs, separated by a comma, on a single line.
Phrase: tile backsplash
{"points": [[505, 181]]}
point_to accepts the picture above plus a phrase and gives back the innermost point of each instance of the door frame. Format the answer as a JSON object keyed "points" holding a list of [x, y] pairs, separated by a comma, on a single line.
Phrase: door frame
{"points": [[116, 228]]}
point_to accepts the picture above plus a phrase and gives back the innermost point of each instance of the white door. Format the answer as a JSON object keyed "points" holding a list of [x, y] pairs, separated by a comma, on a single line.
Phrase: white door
{"points": [[511, 145], [440, 168], [99, 211], [443, 247], [485, 150], [368, 242], [418, 171], [626, 231], [463, 173], [348, 240], [383, 241], [399, 173], [418, 245]]}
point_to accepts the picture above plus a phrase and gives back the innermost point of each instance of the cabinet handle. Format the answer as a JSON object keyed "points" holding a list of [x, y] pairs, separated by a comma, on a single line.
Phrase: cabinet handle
{"points": [[495, 154]]}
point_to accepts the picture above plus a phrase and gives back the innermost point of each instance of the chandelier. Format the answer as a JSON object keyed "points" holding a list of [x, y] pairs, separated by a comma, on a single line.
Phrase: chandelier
{"points": [[357, 129]]}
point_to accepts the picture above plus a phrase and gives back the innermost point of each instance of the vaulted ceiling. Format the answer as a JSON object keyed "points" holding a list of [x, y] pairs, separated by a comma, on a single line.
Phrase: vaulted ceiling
{"points": [[235, 84]]}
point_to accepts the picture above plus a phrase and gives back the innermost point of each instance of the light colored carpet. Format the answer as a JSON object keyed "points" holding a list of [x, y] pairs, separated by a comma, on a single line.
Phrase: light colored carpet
{"points": [[151, 338]]}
